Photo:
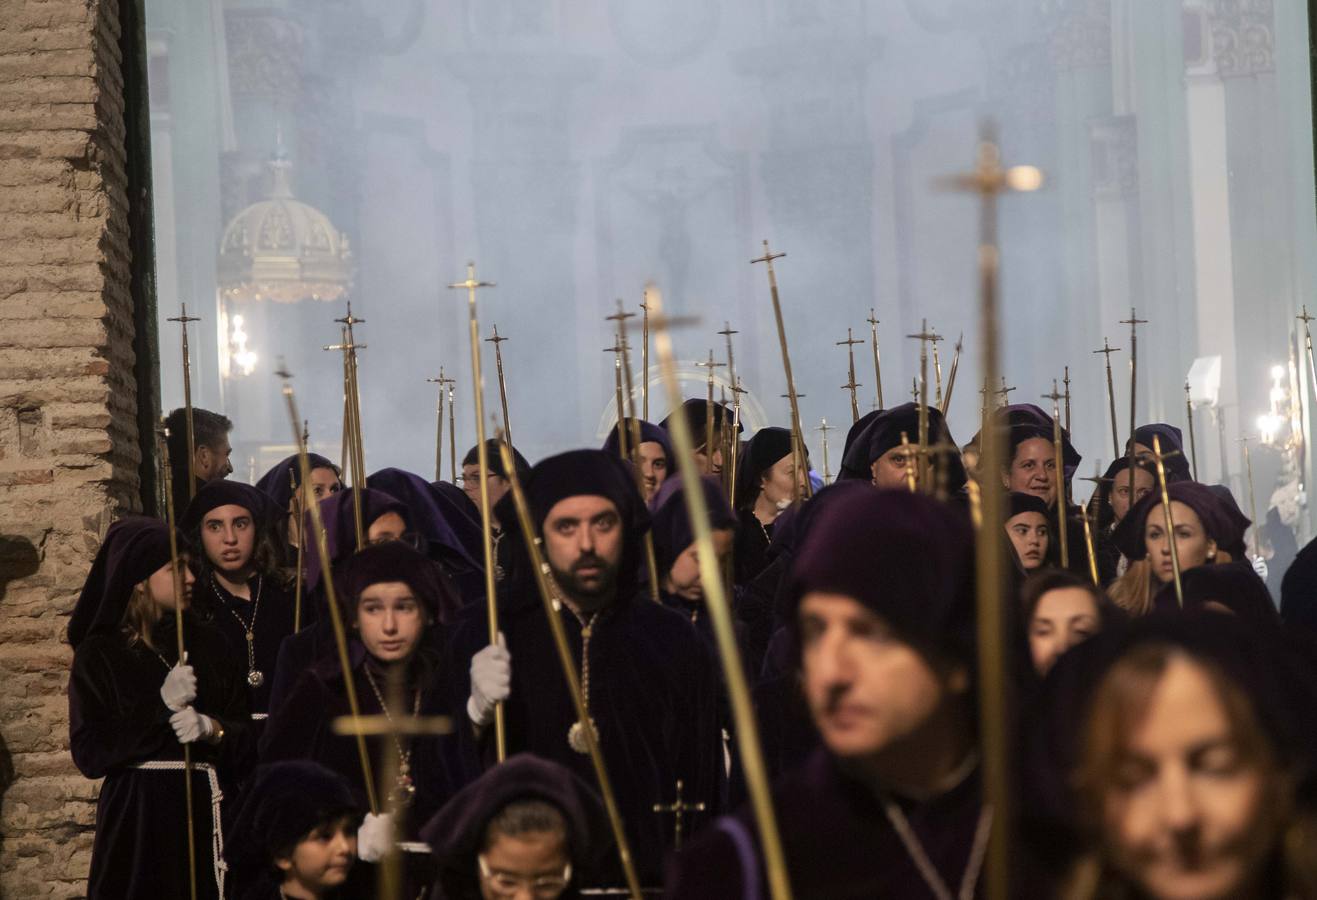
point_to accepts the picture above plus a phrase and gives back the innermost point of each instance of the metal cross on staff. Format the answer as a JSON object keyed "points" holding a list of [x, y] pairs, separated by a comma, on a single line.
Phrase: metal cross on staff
{"points": [[183, 319], [1307, 345], [1252, 498], [353, 462], [678, 809], [1106, 351], [1058, 452], [710, 365], [497, 340], [951, 376], [1193, 439], [823, 430], [851, 384], [1004, 392], [798, 433], [1066, 382], [727, 333], [439, 428], [877, 362], [1133, 322], [471, 285], [925, 337], [989, 179], [623, 450]]}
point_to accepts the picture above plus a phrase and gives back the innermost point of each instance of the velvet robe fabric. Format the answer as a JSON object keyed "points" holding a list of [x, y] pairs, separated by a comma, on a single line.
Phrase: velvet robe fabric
{"points": [[221, 610], [302, 728], [838, 842], [117, 721], [653, 696]]}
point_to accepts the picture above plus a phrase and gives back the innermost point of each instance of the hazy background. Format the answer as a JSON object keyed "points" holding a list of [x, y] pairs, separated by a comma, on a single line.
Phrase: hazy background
{"points": [[577, 149]]}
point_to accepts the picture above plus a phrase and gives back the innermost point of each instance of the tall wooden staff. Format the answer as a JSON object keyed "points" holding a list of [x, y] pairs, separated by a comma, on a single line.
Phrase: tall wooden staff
{"points": [[439, 426], [1307, 346], [1252, 498], [732, 459], [471, 285], [301, 545], [925, 337], [1168, 518], [1066, 381], [452, 431], [183, 319], [650, 291], [851, 384], [951, 376], [823, 430], [176, 569], [1058, 455], [497, 341], [988, 180], [877, 359], [715, 599], [331, 593], [797, 433], [540, 568], [1133, 322], [1106, 351]]}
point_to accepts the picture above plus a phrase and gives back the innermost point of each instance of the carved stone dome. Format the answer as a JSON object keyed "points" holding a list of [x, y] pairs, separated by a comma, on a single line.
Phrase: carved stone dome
{"points": [[282, 249]]}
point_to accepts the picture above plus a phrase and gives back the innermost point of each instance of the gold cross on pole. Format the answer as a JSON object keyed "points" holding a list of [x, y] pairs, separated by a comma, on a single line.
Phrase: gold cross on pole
{"points": [[851, 384], [727, 333], [439, 429], [471, 285], [1106, 351], [1066, 382], [925, 337], [798, 433], [1193, 439], [497, 340], [1003, 392], [708, 408], [951, 376], [823, 430], [679, 810], [877, 362], [1058, 452], [183, 319], [989, 179], [1133, 322]]}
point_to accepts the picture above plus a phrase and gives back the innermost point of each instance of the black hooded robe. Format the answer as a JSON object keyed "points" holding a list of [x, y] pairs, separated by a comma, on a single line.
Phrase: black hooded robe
{"points": [[838, 842], [117, 724], [653, 696]]}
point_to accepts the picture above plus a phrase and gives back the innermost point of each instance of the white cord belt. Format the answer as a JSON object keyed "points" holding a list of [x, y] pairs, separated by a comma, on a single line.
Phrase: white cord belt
{"points": [[216, 795]]}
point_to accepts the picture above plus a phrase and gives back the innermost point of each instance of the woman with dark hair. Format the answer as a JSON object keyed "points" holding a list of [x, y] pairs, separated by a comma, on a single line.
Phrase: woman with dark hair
{"points": [[392, 600], [293, 835], [282, 485], [1061, 609], [1110, 503], [1204, 527], [1030, 468], [527, 827], [766, 484], [132, 707], [1027, 527], [1173, 758], [654, 455], [241, 590]]}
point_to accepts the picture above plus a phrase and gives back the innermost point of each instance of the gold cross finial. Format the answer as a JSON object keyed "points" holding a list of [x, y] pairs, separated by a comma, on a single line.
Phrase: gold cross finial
{"points": [[1004, 392], [496, 339], [1133, 321], [988, 177], [471, 284], [768, 256], [1056, 395], [349, 320], [183, 318], [825, 428], [850, 341], [282, 372], [1305, 318], [873, 319], [711, 365], [728, 331], [925, 334], [621, 315], [788, 396]]}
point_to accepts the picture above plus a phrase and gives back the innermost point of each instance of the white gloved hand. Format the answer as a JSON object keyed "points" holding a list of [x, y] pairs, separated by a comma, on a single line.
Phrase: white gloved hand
{"points": [[491, 681], [191, 726], [375, 837], [1259, 566], [180, 687]]}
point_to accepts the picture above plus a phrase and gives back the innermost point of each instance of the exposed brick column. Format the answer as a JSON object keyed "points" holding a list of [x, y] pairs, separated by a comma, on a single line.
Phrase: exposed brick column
{"points": [[69, 448]]}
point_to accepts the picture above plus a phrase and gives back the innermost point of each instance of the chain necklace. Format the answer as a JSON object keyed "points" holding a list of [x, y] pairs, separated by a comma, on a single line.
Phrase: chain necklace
{"points": [[576, 734], [404, 789], [255, 677], [969, 881]]}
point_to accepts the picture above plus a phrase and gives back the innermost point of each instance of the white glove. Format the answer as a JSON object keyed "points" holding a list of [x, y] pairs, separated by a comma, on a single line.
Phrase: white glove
{"points": [[180, 687], [375, 837], [1259, 566], [491, 681], [191, 726]]}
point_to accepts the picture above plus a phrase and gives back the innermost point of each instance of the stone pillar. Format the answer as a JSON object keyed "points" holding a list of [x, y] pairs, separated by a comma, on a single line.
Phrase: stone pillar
{"points": [[69, 445]]}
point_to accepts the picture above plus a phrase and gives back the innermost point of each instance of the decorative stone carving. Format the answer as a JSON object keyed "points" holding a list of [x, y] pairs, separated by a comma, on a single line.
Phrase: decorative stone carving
{"points": [[265, 54], [1243, 36]]}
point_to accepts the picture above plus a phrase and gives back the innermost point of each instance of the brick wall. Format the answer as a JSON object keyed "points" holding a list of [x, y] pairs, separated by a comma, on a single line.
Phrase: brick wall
{"points": [[68, 436]]}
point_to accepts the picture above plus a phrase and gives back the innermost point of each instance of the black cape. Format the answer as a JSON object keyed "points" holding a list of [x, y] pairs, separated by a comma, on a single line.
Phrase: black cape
{"points": [[838, 842], [653, 697], [117, 722]]}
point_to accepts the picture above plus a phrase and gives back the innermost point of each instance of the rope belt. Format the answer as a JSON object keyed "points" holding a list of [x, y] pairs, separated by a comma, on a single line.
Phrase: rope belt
{"points": [[217, 830]]}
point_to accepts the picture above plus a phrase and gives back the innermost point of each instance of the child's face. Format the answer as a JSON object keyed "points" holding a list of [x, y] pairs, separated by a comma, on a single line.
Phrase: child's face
{"points": [[321, 860]]}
